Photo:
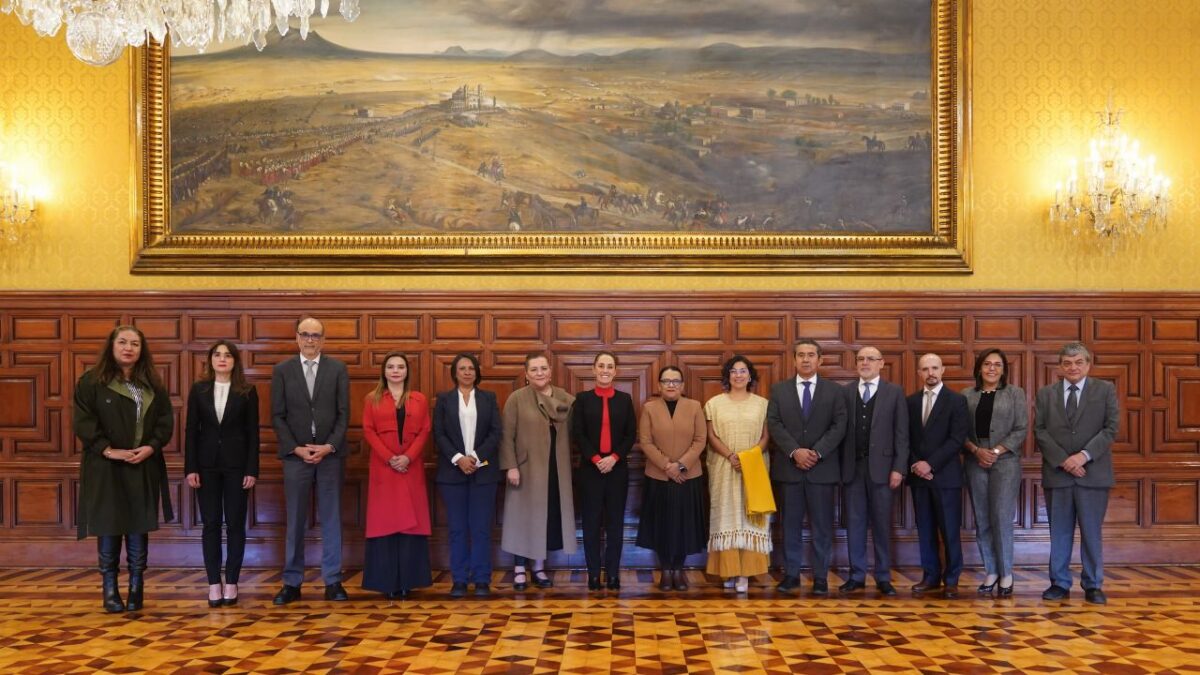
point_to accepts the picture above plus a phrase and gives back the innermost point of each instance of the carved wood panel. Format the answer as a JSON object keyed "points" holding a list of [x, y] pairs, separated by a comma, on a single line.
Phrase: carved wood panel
{"points": [[1145, 343]]}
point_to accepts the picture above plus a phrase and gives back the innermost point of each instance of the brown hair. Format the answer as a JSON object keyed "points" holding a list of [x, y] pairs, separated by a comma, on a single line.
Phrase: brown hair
{"points": [[381, 387], [143, 373], [237, 378]]}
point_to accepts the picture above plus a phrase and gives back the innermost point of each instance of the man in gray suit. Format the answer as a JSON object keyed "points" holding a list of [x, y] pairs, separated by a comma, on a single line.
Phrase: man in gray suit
{"points": [[1076, 422], [310, 408], [874, 461], [807, 420]]}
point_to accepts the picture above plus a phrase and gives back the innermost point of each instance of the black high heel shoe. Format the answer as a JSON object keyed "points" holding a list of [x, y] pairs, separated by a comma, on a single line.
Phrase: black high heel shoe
{"points": [[1006, 591], [542, 580], [986, 589], [523, 583]]}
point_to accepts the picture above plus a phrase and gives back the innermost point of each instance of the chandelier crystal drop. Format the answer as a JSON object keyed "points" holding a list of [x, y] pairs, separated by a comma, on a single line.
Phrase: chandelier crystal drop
{"points": [[98, 30]]}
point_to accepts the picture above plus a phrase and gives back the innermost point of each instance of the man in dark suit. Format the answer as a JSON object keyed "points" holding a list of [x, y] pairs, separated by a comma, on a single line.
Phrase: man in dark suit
{"points": [[937, 430], [806, 417], [1076, 422], [310, 408], [874, 461]]}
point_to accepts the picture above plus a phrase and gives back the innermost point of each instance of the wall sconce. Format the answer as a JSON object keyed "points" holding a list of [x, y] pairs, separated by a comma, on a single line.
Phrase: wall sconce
{"points": [[18, 204], [1119, 194]]}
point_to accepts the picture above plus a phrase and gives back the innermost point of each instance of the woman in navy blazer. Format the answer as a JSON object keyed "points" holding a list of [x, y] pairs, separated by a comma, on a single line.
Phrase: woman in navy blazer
{"points": [[221, 462], [467, 475]]}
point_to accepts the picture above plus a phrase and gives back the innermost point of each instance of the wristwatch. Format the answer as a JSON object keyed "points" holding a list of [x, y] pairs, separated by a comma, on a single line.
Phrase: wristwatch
{"points": [[996, 451]]}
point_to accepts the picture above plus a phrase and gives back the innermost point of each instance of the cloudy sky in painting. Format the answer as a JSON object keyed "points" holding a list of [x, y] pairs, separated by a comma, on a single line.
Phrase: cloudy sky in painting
{"points": [[607, 26]]}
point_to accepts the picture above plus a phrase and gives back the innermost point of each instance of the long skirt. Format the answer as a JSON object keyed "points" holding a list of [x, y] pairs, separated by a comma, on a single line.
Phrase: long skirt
{"points": [[674, 519], [397, 562]]}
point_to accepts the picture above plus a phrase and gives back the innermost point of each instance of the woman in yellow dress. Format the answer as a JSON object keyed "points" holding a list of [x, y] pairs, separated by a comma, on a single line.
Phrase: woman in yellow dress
{"points": [[739, 546]]}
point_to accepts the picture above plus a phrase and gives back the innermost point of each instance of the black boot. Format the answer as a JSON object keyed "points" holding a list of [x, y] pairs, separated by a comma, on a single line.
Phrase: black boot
{"points": [[109, 549], [135, 555]]}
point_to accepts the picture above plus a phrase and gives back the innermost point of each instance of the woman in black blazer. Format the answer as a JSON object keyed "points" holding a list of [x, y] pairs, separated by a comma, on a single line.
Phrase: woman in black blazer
{"points": [[221, 462], [603, 428], [467, 475]]}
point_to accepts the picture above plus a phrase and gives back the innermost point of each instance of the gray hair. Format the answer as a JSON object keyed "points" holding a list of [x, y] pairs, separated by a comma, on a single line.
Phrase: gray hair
{"points": [[1074, 349]]}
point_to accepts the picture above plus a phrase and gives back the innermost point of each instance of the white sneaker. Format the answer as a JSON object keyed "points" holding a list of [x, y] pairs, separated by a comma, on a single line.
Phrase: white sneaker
{"points": [[743, 584]]}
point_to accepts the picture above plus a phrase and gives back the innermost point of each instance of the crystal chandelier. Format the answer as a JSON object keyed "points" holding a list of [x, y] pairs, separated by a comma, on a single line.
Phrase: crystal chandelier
{"points": [[98, 30], [1119, 193]]}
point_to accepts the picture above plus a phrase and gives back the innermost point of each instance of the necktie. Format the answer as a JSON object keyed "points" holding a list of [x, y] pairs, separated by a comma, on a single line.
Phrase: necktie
{"points": [[1073, 402], [310, 376], [866, 391], [806, 400], [928, 407]]}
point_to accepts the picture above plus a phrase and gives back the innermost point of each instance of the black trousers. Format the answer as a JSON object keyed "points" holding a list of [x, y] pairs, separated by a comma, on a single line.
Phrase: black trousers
{"points": [[602, 506], [222, 499]]}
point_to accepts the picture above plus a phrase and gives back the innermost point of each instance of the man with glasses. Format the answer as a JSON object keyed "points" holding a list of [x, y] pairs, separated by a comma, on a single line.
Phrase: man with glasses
{"points": [[310, 408], [1075, 424], [874, 461], [806, 417]]}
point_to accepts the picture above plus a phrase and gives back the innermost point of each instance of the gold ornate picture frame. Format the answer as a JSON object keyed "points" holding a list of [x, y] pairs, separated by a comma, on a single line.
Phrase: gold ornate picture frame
{"points": [[720, 242]]}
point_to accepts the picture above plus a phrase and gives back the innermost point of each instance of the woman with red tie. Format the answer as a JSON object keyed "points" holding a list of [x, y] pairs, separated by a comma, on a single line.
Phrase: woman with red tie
{"points": [[604, 428], [396, 426]]}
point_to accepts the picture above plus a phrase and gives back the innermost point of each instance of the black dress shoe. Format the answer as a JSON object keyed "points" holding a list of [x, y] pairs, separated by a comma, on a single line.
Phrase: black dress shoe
{"points": [[215, 603], [986, 589], [542, 580], [458, 589], [287, 594], [1095, 596], [885, 588], [336, 591], [397, 595], [820, 587], [1055, 593], [520, 581], [482, 590], [613, 583], [950, 592], [788, 584], [229, 602], [926, 585], [666, 580], [1004, 591], [594, 582], [679, 580], [851, 586]]}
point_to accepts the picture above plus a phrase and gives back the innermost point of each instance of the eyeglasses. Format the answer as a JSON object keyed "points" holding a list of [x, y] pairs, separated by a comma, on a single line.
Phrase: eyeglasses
{"points": [[310, 336], [860, 359], [739, 371], [670, 383]]}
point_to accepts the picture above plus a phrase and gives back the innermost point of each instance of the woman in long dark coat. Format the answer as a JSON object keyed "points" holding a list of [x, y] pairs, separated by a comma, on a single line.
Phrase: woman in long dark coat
{"points": [[123, 419]]}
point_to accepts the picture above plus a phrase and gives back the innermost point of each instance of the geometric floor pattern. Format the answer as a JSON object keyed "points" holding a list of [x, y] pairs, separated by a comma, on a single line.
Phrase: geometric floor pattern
{"points": [[52, 623]]}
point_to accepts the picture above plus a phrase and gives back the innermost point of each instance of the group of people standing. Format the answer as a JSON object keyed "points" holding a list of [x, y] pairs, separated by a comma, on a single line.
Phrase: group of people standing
{"points": [[866, 436]]}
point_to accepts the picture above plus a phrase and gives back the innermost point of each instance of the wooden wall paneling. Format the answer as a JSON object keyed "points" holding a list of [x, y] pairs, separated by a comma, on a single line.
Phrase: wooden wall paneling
{"points": [[1145, 343]]}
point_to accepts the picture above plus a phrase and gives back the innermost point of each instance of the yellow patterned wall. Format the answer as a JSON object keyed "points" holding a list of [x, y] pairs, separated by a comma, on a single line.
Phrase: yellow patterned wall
{"points": [[1041, 67]]}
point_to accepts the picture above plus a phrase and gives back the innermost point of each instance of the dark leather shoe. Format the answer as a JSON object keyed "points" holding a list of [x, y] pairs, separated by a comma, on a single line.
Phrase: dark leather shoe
{"points": [[336, 591], [542, 579], [1055, 593], [215, 603], [851, 586], [926, 585], [613, 583], [886, 588], [1095, 596], [950, 592], [287, 594], [789, 584], [666, 580], [397, 595], [482, 591], [458, 589], [594, 583], [679, 580], [520, 581], [1004, 591], [229, 602], [820, 587]]}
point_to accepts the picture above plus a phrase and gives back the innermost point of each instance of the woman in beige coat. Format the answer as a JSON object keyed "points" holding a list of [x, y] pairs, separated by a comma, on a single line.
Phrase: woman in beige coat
{"points": [[535, 453], [674, 523]]}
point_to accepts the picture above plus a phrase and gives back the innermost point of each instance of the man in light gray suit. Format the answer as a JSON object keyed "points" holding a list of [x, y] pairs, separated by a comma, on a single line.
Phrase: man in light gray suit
{"points": [[310, 409], [1076, 422], [806, 417], [874, 461]]}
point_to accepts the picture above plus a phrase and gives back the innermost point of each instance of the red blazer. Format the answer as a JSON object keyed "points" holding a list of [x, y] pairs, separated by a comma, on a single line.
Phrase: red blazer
{"points": [[396, 502]]}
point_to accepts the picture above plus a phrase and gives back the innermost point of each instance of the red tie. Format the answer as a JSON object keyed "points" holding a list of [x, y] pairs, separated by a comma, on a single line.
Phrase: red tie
{"points": [[605, 393]]}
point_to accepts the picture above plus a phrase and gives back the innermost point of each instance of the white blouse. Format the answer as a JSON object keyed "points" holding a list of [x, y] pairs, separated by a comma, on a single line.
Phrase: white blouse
{"points": [[468, 416], [220, 396]]}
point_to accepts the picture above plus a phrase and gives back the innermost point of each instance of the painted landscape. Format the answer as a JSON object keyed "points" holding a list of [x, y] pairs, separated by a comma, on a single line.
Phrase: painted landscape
{"points": [[669, 135]]}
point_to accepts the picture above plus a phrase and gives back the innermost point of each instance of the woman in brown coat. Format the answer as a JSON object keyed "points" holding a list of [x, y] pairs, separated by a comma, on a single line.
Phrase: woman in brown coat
{"points": [[672, 433], [535, 453]]}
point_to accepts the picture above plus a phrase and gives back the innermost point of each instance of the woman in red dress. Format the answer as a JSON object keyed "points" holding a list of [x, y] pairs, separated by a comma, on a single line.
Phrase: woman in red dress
{"points": [[396, 427]]}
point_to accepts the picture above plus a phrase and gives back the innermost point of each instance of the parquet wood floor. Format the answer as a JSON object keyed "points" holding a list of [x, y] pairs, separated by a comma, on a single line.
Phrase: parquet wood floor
{"points": [[52, 623]]}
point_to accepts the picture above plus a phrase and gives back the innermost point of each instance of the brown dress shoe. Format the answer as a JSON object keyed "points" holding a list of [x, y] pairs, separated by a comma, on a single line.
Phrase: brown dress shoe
{"points": [[950, 592]]}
